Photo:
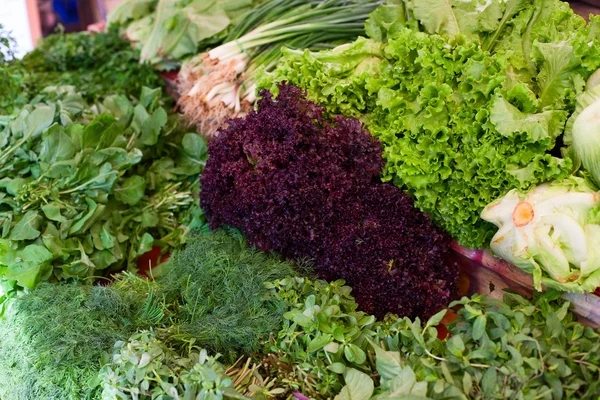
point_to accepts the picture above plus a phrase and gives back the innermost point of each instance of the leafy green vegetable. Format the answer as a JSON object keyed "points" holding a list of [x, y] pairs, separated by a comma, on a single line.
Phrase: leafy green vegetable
{"points": [[82, 199], [168, 31], [323, 337], [52, 338], [512, 349], [217, 280], [220, 84], [145, 368], [11, 76], [467, 97], [96, 64]]}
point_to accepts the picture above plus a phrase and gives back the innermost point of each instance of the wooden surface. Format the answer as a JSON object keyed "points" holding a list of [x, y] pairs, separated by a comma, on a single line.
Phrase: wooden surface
{"points": [[483, 273]]}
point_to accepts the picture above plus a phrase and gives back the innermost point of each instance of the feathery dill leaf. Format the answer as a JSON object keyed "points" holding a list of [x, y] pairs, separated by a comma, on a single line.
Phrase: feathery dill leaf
{"points": [[218, 282], [52, 339]]}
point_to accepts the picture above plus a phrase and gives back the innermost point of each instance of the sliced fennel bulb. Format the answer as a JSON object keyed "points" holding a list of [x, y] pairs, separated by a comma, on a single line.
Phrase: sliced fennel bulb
{"points": [[551, 232]]}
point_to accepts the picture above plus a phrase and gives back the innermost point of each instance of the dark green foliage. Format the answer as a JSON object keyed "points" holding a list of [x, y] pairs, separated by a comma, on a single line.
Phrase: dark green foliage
{"points": [[53, 337], [11, 77], [218, 282], [96, 64]]}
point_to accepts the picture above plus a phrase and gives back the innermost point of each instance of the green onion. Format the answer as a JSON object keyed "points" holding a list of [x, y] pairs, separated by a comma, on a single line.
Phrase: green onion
{"points": [[220, 84]]}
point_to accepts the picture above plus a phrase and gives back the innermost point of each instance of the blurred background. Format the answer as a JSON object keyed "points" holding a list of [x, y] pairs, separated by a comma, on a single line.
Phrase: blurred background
{"points": [[28, 20]]}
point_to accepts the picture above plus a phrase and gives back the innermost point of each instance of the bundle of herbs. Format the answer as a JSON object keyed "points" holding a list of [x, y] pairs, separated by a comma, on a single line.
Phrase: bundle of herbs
{"points": [[84, 194], [52, 338], [220, 84], [96, 64], [217, 282], [515, 348], [307, 186], [144, 367]]}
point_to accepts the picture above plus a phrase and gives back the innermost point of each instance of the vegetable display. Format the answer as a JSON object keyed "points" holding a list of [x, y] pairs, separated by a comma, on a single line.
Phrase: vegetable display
{"points": [[301, 253], [551, 232], [82, 199], [463, 116], [221, 83], [305, 185]]}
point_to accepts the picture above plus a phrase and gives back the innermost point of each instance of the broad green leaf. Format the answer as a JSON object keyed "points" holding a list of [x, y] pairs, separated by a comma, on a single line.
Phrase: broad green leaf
{"points": [[359, 386], [479, 327], [509, 121], [318, 343], [556, 74], [146, 243], [131, 191], [456, 346], [437, 318], [355, 354], [57, 146], [27, 227], [32, 264], [488, 381], [14, 185], [194, 146], [467, 383], [52, 212], [40, 119], [93, 131], [388, 363], [103, 259], [337, 367], [152, 126], [437, 16], [78, 226]]}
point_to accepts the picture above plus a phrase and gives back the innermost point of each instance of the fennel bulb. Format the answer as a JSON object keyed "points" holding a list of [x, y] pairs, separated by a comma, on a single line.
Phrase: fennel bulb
{"points": [[551, 232]]}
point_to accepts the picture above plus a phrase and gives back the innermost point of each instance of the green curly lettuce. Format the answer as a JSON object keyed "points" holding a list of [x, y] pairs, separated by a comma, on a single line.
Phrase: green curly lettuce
{"points": [[467, 97]]}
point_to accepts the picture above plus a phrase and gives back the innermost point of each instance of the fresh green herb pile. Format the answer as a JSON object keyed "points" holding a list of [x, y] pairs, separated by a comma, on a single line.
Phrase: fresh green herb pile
{"points": [[11, 77], [83, 194], [467, 100], [96, 64], [516, 348], [144, 366], [217, 283], [52, 339]]}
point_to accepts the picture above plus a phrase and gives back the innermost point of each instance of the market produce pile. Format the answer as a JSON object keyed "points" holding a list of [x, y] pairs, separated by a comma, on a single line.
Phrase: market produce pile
{"points": [[284, 228]]}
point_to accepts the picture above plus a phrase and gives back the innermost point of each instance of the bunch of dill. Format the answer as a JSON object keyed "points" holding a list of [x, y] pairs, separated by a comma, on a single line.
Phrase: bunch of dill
{"points": [[217, 283], [53, 337]]}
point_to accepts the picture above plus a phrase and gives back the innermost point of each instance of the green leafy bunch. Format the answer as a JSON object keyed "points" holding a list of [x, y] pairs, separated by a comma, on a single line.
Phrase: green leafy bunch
{"points": [[468, 99], [322, 336], [144, 367], [516, 348], [52, 338], [84, 194], [96, 64], [217, 281], [169, 31], [11, 76]]}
